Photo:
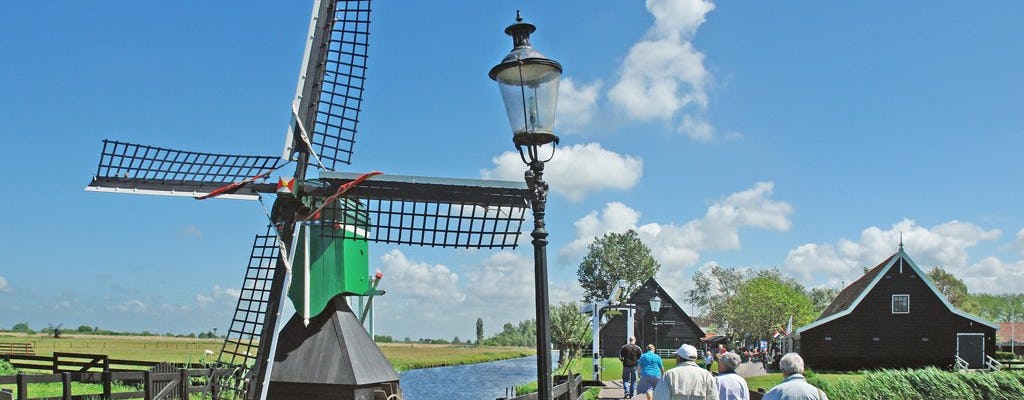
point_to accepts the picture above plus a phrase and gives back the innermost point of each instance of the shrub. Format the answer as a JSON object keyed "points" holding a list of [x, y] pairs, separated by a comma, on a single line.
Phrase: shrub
{"points": [[1004, 355], [6, 368], [926, 383]]}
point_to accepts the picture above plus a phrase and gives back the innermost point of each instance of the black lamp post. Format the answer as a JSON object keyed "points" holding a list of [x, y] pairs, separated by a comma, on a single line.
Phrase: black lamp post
{"points": [[529, 89], [655, 307]]}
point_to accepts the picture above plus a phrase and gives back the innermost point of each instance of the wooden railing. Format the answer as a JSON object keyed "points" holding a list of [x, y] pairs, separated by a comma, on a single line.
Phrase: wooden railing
{"points": [[79, 362], [14, 348], [564, 389], [150, 385]]}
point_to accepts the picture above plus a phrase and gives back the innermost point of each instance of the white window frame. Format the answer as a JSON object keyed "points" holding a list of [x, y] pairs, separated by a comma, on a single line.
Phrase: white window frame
{"points": [[893, 308]]}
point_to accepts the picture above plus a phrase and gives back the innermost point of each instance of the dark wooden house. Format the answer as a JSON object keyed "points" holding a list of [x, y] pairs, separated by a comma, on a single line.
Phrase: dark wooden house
{"points": [[894, 317], [668, 329]]}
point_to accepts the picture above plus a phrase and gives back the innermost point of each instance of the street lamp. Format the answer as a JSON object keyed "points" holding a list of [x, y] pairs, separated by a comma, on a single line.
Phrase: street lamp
{"points": [[655, 307], [529, 89]]}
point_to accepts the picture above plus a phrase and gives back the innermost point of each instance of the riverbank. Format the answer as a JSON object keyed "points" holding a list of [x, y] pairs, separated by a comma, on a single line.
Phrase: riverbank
{"points": [[403, 356]]}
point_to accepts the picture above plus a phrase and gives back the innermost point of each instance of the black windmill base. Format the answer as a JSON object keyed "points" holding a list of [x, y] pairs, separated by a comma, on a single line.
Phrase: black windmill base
{"points": [[331, 359]]}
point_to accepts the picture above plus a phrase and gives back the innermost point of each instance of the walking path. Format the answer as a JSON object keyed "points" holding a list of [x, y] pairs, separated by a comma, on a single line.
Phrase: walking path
{"points": [[613, 389]]}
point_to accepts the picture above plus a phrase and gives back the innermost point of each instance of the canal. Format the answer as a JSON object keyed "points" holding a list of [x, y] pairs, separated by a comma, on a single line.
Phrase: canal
{"points": [[483, 381]]}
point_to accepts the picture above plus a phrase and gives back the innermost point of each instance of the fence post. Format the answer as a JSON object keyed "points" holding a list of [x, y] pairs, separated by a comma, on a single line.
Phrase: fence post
{"points": [[214, 381], [65, 380], [107, 380], [147, 385], [56, 364], [22, 386], [183, 384]]}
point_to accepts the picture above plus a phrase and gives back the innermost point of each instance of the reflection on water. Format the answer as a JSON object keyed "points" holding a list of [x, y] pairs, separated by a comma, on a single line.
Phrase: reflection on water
{"points": [[483, 381]]}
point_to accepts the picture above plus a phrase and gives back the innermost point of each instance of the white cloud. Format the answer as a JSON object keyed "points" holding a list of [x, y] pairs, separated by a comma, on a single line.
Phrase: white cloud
{"points": [[944, 245], [577, 104], [192, 231], [3, 285], [664, 74], [679, 246], [1018, 243], [992, 275], [132, 305], [421, 282], [218, 294], [575, 170]]}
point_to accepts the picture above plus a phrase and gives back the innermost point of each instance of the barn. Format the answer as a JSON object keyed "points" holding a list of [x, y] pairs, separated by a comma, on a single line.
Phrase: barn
{"points": [[668, 328], [894, 317]]}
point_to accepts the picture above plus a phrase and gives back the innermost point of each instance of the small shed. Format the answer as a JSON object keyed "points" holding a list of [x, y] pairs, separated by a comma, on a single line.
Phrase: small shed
{"points": [[667, 329], [894, 317]]}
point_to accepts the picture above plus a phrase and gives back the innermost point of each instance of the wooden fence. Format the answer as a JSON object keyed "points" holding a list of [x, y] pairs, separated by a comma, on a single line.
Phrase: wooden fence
{"points": [[79, 362], [14, 348], [153, 386], [564, 389]]}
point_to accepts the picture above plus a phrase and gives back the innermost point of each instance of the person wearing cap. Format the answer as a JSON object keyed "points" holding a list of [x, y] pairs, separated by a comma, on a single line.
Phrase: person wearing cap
{"points": [[731, 386], [687, 381], [651, 369], [794, 386]]}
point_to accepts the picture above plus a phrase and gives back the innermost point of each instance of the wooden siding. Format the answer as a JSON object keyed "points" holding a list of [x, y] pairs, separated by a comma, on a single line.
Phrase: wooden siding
{"points": [[900, 336], [675, 326]]}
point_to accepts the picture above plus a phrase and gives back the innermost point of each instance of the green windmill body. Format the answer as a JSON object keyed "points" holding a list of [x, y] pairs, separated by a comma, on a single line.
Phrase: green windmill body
{"points": [[337, 263]]}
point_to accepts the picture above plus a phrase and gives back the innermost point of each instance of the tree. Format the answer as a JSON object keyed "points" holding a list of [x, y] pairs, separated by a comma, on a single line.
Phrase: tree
{"points": [[22, 327], [764, 304], [821, 298], [569, 330], [612, 257], [953, 288], [713, 287], [479, 330]]}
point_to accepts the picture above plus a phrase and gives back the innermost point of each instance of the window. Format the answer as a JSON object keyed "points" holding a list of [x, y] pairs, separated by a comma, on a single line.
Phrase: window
{"points": [[828, 338], [875, 339], [924, 338], [901, 304]]}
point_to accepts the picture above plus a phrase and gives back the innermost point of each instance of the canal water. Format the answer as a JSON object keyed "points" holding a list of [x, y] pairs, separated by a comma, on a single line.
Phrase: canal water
{"points": [[483, 381]]}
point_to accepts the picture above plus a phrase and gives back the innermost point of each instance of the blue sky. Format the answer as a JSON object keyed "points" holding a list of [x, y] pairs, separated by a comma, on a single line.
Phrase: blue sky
{"points": [[802, 135]]}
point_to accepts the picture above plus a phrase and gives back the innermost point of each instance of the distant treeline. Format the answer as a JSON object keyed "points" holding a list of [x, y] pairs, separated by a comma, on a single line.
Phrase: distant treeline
{"points": [[23, 327], [523, 335]]}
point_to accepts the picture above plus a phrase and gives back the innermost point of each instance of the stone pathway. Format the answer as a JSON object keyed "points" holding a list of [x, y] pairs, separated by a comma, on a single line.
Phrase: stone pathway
{"points": [[613, 389]]}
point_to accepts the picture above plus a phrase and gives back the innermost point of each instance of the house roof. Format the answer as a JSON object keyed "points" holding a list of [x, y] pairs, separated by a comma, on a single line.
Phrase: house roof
{"points": [[852, 295], [644, 303], [1010, 330]]}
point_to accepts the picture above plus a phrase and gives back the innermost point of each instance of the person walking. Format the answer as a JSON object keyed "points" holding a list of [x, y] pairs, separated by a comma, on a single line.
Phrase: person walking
{"points": [[629, 354], [794, 386], [731, 386], [686, 381], [651, 369]]}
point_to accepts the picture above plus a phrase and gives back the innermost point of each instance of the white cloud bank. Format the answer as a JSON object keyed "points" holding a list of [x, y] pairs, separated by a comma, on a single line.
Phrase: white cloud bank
{"points": [[679, 246], [664, 75], [576, 170], [945, 245], [3, 285], [577, 104]]}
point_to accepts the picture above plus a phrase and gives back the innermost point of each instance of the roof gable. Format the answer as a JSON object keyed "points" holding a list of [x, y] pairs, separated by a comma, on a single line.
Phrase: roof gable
{"points": [[665, 297], [852, 295]]}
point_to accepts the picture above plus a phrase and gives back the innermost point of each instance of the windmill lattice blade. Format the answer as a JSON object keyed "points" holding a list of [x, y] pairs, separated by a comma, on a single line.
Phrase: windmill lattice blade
{"points": [[135, 168], [341, 93], [425, 211], [243, 338]]}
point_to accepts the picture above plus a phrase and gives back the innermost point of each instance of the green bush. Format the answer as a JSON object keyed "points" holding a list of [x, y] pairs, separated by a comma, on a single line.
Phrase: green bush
{"points": [[6, 368], [1004, 355], [926, 383]]}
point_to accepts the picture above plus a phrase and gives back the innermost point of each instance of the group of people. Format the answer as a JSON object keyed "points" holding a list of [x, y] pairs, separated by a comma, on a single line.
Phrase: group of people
{"points": [[688, 381]]}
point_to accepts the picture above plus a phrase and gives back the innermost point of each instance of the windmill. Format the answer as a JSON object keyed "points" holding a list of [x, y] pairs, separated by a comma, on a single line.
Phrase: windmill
{"points": [[320, 223]]}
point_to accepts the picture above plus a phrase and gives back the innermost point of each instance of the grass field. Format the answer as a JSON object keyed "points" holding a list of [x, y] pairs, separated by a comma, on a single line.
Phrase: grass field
{"points": [[403, 356]]}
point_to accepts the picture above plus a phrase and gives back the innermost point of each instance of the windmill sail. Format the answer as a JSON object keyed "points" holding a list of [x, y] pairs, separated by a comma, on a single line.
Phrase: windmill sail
{"points": [[329, 95], [141, 169]]}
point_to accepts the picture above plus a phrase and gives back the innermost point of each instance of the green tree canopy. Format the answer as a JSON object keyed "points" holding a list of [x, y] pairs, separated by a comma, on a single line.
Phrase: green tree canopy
{"points": [[822, 297], [570, 330], [765, 303], [953, 288], [479, 330], [712, 288], [612, 257]]}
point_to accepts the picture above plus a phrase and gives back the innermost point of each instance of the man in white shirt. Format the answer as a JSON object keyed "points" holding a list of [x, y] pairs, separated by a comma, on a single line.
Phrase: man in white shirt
{"points": [[794, 386], [687, 381]]}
